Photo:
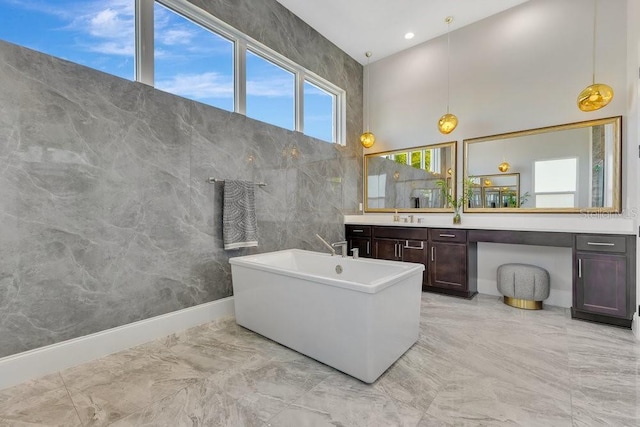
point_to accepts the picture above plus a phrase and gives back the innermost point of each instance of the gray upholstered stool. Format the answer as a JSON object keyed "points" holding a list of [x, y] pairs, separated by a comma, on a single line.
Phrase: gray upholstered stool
{"points": [[523, 285]]}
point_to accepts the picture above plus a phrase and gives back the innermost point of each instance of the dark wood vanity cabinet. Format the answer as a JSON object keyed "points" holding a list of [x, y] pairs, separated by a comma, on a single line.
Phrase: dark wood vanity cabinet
{"points": [[604, 285], [359, 236], [401, 244], [604, 265], [448, 261]]}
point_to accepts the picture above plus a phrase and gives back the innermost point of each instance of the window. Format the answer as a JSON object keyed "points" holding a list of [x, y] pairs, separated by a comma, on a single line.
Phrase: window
{"points": [[270, 92], [555, 183], [179, 48], [99, 33], [319, 112], [191, 61]]}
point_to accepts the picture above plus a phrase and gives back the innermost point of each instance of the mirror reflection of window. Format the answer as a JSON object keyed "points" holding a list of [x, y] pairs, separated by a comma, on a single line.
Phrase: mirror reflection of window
{"points": [[556, 183], [410, 178], [417, 159], [376, 185], [435, 163], [609, 165], [401, 158]]}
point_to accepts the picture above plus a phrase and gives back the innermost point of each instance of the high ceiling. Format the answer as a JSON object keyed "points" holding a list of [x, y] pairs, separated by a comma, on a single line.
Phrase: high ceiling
{"points": [[379, 26]]}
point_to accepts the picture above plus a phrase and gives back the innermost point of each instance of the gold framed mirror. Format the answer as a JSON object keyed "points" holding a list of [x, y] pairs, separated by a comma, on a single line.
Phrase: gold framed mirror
{"points": [[410, 179], [570, 168]]}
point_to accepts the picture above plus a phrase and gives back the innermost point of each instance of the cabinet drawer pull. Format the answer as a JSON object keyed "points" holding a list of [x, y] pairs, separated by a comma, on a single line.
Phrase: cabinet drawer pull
{"points": [[368, 248], [447, 235], [357, 231], [600, 244], [579, 268], [433, 253], [406, 245]]}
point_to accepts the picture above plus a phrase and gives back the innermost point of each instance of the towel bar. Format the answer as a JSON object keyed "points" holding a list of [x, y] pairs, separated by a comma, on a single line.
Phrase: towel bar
{"points": [[212, 180]]}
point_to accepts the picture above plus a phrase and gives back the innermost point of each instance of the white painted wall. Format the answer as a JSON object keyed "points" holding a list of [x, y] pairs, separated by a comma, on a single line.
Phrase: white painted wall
{"points": [[557, 261], [517, 70], [633, 122], [520, 69]]}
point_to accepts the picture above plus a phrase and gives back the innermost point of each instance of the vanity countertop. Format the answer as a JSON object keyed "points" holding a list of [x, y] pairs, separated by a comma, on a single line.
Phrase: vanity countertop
{"points": [[544, 223]]}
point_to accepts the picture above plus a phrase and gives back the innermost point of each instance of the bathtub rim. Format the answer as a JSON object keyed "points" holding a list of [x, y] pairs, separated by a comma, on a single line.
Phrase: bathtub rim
{"points": [[408, 269]]}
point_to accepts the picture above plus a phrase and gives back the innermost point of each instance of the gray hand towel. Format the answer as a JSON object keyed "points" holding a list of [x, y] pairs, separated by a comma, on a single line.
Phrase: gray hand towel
{"points": [[239, 224]]}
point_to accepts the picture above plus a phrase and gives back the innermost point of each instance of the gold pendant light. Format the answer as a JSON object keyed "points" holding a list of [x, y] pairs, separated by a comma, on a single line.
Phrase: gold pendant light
{"points": [[367, 139], [448, 122], [504, 166], [596, 95]]}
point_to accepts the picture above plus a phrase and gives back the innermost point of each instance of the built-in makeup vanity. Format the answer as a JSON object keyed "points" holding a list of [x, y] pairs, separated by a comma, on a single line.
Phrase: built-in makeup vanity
{"points": [[604, 265], [573, 169]]}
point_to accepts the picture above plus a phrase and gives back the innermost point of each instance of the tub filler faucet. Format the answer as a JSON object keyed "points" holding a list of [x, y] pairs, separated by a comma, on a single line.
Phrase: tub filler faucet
{"points": [[343, 245], [333, 251]]}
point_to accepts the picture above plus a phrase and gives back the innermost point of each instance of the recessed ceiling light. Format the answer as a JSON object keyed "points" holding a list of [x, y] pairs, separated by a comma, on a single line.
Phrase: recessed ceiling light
{"points": [[409, 36]]}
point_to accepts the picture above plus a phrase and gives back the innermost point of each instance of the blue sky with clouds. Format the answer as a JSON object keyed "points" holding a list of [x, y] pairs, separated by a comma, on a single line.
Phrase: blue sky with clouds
{"points": [[189, 60]]}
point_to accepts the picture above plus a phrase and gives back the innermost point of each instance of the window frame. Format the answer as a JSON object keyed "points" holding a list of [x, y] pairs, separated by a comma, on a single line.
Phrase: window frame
{"points": [[144, 61]]}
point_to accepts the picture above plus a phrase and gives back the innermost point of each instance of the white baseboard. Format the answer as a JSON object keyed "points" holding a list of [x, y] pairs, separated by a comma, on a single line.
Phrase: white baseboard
{"points": [[635, 326], [22, 367]]}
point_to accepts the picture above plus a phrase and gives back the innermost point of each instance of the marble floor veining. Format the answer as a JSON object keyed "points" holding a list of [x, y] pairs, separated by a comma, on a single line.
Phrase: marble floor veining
{"points": [[477, 363]]}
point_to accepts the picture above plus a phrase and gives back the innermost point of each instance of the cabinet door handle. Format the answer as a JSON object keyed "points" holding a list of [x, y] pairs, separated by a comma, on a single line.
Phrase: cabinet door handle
{"points": [[406, 245], [433, 253], [395, 250], [580, 268], [447, 235], [368, 247], [600, 244], [357, 231]]}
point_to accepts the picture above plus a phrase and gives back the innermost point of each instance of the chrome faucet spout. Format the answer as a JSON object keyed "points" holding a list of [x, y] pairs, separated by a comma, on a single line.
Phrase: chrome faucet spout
{"points": [[333, 251], [343, 244]]}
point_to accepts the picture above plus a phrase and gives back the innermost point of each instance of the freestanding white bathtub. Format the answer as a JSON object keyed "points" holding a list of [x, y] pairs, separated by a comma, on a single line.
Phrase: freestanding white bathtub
{"points": [[359, 320]]}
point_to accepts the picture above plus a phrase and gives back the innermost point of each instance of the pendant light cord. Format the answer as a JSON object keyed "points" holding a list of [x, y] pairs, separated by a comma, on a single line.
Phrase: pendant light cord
{"points": [[448, 20], [368, 55], [595, 20]]}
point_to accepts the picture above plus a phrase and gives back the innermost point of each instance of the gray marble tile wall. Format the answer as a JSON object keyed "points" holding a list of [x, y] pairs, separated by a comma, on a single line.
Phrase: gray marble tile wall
{"points": [[106, 217]]}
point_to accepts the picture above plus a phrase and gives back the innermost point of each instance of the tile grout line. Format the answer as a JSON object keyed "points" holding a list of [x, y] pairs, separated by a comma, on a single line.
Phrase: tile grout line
{"points": [[293, 403], [75, 408]]}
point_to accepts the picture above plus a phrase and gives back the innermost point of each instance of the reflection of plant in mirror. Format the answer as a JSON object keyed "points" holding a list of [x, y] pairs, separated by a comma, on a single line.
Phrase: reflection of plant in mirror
{"points": [[401, 158], [416, 159], [456, 204], [512, 202]]}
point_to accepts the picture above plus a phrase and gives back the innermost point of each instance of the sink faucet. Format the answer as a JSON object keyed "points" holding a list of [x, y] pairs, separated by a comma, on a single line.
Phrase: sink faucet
{"points": [[356, 253], [343, 245], [333, 251]]}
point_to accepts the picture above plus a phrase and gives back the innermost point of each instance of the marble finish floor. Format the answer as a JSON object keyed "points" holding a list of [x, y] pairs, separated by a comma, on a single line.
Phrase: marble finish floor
{"points": [[477, 363]]}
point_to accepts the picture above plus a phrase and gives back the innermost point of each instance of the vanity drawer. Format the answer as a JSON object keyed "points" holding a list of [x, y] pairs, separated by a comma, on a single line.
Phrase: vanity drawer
{"points": [[358, 230], [448, 235], [400, 233], [596, 243]]}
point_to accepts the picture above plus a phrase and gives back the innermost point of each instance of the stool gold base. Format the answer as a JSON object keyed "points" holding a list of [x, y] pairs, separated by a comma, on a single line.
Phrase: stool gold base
{"points": [[523, 303]]}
